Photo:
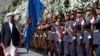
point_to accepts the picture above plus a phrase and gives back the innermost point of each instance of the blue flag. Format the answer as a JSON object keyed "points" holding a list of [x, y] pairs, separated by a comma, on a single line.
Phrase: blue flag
{"points": [[34, 15]]}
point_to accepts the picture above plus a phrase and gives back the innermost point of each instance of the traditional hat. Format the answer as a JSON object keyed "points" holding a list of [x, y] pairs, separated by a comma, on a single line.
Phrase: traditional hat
{"points": [[10, 14]]}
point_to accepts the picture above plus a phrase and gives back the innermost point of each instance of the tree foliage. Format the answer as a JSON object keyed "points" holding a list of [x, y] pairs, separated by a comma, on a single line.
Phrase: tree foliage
{"points": [[14, 4], [66, 3]]}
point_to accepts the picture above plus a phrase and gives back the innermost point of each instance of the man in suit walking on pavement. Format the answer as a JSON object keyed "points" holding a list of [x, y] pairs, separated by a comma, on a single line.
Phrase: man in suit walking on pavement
{"points": [[10, 35]]}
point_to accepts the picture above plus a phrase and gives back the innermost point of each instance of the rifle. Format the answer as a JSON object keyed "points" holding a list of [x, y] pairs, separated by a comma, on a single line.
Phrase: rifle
{"points": [[80, 43], [74, 40], [90, 39]]}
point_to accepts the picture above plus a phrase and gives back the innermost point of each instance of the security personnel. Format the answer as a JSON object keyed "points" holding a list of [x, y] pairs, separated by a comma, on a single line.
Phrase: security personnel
{"points": [[37, 39], [36, 44], [47, 37], [96, 35], [59, 36], [79, 31], [40, 38], [65, 33], [73, 32], [32, 42], [71, 36], [89, 28], [52, 37], [44, 36]]}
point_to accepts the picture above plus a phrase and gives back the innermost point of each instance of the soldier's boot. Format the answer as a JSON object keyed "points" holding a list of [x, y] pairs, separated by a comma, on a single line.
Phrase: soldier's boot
{"points": [[56, 54], [68, 55], [43, 51], [38, 49], [51, 53], [46, 52], [61, 54]]}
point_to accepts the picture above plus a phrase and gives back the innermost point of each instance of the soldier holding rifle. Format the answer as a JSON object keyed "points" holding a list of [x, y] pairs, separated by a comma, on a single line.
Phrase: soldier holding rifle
{"points": [[80, 26]]}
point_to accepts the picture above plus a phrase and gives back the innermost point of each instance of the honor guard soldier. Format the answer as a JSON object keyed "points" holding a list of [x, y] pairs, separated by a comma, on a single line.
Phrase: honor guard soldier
{"points": [[47, 37], [79, 31], [65, 33], [73, 32], [71, 36], [44, 35], [59, 36], [90, 18], [52, 37], [35, 39], [40, 38], [96, 35]]}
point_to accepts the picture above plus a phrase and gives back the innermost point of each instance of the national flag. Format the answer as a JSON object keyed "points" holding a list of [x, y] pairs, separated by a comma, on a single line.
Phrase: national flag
{"points": [[34, 15]]}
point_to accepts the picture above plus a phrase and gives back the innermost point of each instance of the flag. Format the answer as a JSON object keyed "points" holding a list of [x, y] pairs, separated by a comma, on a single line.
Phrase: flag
{"points": [[33, 16]]}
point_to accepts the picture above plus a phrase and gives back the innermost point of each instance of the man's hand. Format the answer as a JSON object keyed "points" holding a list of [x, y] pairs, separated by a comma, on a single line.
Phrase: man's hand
{"points": [[1, 44]]}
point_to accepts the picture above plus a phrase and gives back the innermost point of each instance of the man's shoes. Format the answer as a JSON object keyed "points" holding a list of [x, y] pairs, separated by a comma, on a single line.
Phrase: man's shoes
{"points": [[27, 50]]}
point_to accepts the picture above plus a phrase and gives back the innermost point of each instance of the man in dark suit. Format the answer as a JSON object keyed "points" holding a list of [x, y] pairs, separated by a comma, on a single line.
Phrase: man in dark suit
{"points": [[10, 35]]}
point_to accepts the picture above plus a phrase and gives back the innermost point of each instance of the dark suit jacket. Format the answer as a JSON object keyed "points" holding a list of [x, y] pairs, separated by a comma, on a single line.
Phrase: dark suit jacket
{"points": [[6, 35]]}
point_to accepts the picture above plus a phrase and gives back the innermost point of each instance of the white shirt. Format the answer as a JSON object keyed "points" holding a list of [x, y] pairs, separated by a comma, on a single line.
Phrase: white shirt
{"points": [[10, 25]]}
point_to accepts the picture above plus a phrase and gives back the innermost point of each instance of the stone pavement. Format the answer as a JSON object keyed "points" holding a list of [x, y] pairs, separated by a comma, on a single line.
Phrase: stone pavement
{"points": [[23, 52]]}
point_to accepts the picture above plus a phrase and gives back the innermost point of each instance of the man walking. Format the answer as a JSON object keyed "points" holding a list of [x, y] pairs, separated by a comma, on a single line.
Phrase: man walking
{"points": [[10, 35]]}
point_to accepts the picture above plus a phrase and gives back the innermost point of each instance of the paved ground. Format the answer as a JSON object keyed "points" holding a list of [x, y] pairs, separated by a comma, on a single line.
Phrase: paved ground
{"points": [[22, 52]]}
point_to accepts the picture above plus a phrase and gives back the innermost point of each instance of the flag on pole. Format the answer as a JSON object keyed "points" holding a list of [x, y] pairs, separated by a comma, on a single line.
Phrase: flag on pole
{"points": [[33, 16]]}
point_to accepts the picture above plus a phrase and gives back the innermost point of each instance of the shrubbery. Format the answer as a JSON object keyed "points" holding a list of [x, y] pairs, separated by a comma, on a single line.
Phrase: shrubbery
{"points": [[14, 5]]}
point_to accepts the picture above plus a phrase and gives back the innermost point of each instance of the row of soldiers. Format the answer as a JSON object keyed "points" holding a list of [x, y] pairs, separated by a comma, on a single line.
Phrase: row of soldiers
{"points": [[77, 35]]}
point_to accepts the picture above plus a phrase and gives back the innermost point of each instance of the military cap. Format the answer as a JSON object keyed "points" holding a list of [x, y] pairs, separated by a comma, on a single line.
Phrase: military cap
{"points": [[10, 14], [98, 6]]}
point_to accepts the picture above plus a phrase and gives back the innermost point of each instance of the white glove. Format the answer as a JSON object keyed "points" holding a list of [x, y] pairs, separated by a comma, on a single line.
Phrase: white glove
{"points": [[80, 37], [89, 37], [74, 38], [40, 35], [59, 40], [83, 22], [44, 34], [92, 21], [74, 24], [64, 32]]}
